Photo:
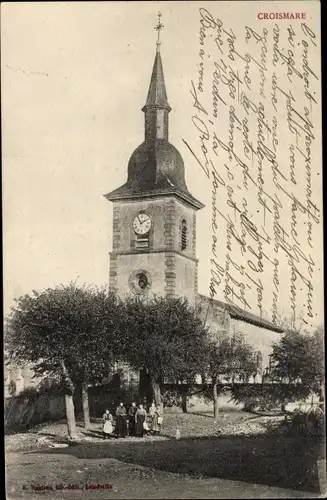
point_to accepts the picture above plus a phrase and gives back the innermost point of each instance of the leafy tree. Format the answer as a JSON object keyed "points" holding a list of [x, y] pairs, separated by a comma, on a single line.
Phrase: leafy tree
{"points": [[163, 336], [299, 357], [67, 332], [229, 358]]}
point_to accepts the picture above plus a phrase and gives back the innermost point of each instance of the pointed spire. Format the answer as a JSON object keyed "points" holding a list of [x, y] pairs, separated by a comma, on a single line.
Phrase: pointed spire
{"points": [[157, 108], [156, 168], [157, 95]]}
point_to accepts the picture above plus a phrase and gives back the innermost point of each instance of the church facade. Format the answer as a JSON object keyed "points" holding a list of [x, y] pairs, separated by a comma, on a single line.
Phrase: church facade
{"points": [[154, 229]]}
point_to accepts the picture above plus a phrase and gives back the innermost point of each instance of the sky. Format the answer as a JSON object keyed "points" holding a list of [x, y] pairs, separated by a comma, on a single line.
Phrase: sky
{"points": [[74, 79]]}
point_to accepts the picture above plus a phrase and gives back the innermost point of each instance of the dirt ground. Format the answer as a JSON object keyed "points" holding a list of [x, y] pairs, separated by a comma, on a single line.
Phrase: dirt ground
{"points": [[241, 456]]}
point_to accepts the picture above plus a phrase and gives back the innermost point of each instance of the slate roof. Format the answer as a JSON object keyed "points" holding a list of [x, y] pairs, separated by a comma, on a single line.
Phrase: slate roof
{"points": [[155, 168], [157, 94], [242, 315]]}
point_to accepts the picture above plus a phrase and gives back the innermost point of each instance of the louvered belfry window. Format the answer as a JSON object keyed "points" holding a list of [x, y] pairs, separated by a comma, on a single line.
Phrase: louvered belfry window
{"points": [[183, 234]]}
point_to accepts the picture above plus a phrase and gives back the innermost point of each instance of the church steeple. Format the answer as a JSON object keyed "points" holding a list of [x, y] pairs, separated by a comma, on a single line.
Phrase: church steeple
{"points": [[156, 168], [157, 108]]}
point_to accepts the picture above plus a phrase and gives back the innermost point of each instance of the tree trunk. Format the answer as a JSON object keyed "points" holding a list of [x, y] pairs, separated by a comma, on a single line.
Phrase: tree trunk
{"points": [[184, 403], [215, 399], [157, 394], [70, 413], [85, 403], [321, 395], [145, 389], [70, 409]]}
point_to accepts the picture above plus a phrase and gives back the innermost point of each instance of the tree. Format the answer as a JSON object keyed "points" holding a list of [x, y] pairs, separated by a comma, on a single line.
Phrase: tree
{"points": [[230, 358], [162, 336], [299, 357], [68, 332]]}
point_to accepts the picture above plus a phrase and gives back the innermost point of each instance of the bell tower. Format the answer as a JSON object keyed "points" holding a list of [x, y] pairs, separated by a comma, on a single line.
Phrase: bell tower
{"points": [[154, 215]]}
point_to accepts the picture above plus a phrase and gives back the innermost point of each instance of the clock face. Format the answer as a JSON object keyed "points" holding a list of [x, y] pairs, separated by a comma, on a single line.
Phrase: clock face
{"points": [[142, 223]]}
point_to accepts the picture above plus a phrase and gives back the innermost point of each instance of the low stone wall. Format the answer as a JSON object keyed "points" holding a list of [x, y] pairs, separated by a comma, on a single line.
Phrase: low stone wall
{"points": [[196, 404], [32, 408], [23, 412]]}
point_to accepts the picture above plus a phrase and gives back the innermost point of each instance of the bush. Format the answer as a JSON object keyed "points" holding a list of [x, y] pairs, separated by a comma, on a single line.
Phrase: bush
{"points": [[267, 397], [172, 397], [310, 422], [30, 393]]}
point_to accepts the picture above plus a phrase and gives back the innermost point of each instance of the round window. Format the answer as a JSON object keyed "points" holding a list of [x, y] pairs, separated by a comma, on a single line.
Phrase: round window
{"points": [[139, 282], [143, 281]]}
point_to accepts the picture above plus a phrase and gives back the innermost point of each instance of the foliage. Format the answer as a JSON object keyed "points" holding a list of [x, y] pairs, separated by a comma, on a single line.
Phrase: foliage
{"points": [[307, 422], [266, 397], [31, 393], [48, 386], [229, 357], [68, 332], [297, 370], [172, 397], [206, 393], [51, 386], [164, 336], [300, 357]]}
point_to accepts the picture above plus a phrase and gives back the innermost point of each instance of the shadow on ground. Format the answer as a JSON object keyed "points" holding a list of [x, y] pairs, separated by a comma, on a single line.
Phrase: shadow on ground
{"points": [[283, 462]]}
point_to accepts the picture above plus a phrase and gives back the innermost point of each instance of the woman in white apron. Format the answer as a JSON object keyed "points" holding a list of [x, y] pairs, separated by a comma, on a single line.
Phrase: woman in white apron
{"points": [[107, 424]]}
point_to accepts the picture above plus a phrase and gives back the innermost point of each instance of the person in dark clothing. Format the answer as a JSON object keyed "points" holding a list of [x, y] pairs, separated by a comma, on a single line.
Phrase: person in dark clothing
{"points": [[131, 419], [121, 420], [140, 418]]}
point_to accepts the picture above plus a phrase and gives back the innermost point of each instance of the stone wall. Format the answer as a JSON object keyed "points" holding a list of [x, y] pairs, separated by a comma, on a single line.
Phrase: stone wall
{"points": [[219, 321], [261, 339], [36, 406], [215, 317], [23, 412], [196, 404]]}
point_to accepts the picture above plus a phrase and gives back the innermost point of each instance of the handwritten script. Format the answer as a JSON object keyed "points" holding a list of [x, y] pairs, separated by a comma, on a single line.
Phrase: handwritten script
{"points": [[256, 135]]}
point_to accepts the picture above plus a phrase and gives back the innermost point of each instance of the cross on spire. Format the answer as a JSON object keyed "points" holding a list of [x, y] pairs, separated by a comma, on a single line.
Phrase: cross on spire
{"points": [[159, 27]]}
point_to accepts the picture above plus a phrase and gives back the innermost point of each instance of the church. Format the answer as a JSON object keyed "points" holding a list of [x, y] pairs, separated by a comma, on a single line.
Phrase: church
{"points": [[154, 228], [154, 235]]}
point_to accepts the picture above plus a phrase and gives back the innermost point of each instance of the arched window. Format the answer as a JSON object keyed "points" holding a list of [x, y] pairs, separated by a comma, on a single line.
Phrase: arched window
{"points": [[183, 235]]}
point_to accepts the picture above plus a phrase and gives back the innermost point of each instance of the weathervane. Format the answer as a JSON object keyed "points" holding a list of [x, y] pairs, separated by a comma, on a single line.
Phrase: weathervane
{"points": [[158, 28]]}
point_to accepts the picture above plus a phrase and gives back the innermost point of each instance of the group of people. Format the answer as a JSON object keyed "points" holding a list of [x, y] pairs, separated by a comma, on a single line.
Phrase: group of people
{"points": [[135, 422]]}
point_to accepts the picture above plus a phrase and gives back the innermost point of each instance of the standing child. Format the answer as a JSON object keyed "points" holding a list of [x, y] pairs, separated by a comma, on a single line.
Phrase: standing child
{"points": [[156, 421], [107, 428]]}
